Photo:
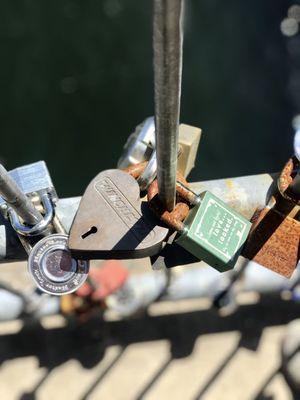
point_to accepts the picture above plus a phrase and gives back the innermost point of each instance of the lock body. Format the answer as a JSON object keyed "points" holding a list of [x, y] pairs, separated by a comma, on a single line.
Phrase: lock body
{"points": [[274, 240], [214, 232], [275, 235]]}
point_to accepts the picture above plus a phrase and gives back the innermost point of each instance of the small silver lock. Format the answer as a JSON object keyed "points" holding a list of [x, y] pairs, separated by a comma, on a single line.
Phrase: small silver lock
{"points": [[139, 145], [50, 263], [41, 226], [52, 267]]}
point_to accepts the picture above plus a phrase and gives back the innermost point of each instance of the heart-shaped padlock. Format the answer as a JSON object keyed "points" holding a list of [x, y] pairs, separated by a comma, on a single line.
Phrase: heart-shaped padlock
{"points": [[113, 223]]}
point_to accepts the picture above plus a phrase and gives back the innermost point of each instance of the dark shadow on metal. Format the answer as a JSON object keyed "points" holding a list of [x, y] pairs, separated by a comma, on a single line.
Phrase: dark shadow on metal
{"points": [[87, 343], [33, 394], [295, 393], [146, 224], [247, 341], [182, 329], [218, 371], [102, 375], [154, 379]]}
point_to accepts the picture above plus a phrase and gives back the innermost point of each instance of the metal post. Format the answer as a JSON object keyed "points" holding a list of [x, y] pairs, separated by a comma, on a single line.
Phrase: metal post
{"points": [[167, 50], [13, 195]]}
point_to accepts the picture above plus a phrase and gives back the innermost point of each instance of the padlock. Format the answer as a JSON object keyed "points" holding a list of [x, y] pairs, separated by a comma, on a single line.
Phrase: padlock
{"points": [[140, 147], [50, 263], [33, 178], [211, 230], [188, 140], [52, 267], [112, 222], [274, 239]]}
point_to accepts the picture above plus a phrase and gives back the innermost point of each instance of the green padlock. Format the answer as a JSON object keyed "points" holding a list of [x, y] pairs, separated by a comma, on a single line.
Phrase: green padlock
{"points": [[213, 231]]}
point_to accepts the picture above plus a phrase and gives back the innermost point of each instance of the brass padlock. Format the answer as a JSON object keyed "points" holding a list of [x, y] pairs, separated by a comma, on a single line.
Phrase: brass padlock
{"points": [[273, 241], [189, 138], [141, 142]]}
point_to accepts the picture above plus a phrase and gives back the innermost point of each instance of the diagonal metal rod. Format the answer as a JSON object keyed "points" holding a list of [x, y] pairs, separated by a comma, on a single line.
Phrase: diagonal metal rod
{"points": [[167, 57], [14, 197]]}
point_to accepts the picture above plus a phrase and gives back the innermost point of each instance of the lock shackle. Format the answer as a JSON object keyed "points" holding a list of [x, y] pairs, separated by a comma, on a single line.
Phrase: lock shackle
{"points": [[136, 170], [184, 199], [149, 173], [145, 172], [38, 228], [289, 182]]}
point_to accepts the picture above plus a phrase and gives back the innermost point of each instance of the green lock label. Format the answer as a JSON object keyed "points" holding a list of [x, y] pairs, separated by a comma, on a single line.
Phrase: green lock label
{"points": [[215, 232]]}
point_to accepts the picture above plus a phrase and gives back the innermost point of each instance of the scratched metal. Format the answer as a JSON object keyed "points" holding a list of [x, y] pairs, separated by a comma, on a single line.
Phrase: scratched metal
{"points": [[32, 178], [245, 194], [275, 235], [112, 222], [274, 241]]}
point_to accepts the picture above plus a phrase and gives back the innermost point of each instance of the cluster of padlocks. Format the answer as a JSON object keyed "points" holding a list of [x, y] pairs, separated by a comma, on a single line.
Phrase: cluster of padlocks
{"points": [[120, 216]]}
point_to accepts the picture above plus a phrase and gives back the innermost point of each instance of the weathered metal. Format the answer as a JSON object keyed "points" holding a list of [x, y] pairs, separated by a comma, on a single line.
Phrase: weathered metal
{"points": [[113, 223], [275, 235], [289, 181], [140, 147], [136, 170], [167, 58], [274, 241], [175, 217], [16, 199], [245, 194]]}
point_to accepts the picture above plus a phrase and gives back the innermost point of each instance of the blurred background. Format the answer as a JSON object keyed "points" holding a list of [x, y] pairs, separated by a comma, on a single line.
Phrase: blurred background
{"points": [[76, 78]]}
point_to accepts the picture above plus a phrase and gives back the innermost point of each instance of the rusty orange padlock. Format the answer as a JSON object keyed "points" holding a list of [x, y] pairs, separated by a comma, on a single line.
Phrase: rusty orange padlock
{"points": [[273, 241]]}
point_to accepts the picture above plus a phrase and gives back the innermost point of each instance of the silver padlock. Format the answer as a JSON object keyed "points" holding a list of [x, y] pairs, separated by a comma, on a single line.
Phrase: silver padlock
{"points": [[50, 263], [52, 267], [34, 181], [33, 178], [40, 227], [139, 145]]}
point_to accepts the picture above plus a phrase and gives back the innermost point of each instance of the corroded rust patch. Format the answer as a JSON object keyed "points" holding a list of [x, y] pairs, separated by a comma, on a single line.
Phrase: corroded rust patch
{"points": [[174, 218], [136, 170], [274, 241], [286, 178]]}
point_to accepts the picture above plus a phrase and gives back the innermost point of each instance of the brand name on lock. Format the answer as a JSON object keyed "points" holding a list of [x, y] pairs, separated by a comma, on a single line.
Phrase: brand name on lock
{"points": [[122, 207]]}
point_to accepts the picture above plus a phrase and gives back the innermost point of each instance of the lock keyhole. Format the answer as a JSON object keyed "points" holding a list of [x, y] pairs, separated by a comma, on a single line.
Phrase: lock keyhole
{"points": [[91, 231]]}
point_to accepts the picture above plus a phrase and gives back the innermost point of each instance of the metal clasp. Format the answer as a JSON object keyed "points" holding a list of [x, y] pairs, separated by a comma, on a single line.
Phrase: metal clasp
{"points": [[38, 228]]}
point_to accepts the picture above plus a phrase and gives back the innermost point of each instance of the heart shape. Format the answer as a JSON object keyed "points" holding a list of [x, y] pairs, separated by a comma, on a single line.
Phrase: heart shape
{"points": [[113, 223]]}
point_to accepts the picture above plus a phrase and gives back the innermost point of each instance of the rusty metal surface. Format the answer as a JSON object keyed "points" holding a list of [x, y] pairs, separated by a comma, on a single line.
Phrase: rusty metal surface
{"points": [[288, 181], [136, 170], [274, 241], [113, 223], [245, 194], [174, 218]]}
